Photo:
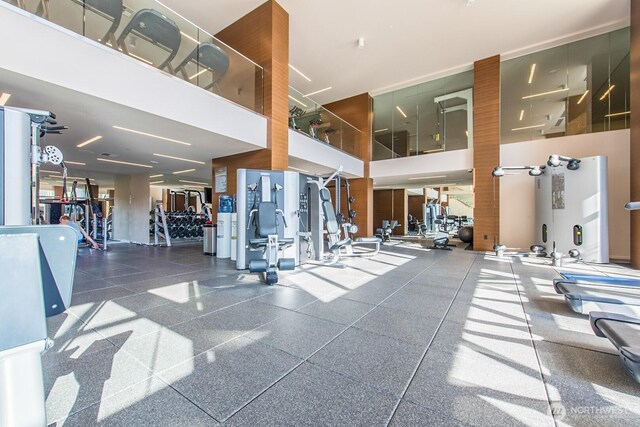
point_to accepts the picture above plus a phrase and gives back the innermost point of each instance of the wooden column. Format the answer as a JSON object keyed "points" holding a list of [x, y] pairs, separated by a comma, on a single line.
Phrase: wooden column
{"points": [[263, 36], [635, 132], [382, 206], [389, 205], [486, 152], [358, 111], [400, 210]]}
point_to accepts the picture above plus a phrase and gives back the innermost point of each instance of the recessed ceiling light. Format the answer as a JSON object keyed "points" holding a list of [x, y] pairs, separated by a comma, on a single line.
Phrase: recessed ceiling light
{"points": [[617, 114], [583, 95], [89, 141], [299, 72], [521, 114], [156, 182], [533, 70], [179, 158], [140, 58], [381, 130], [318, 91], [75, 163], [124, 163], [189, 37], [298, 101], [156, 176], [153, 161], [4, 98], [74, 177], [194, 182], [151, 135], [198, 73], [528, 127], [184, 171], [428, 177], [604, 95], [298, 169], [545, 93], [401, 112]]}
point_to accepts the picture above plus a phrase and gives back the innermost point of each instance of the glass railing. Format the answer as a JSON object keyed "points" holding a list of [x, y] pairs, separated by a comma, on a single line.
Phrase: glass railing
{"points": [[311, 119], [427, 118], [154, 34]]}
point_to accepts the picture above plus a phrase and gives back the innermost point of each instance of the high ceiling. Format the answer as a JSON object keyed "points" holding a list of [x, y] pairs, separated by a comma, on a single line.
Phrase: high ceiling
{"points": [[404, 43], [413, 40]]}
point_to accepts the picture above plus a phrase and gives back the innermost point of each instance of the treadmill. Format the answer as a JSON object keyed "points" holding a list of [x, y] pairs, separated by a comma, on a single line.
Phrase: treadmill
{"points": [[624, 334], [621, 329], [587, 297], [603, 280]]}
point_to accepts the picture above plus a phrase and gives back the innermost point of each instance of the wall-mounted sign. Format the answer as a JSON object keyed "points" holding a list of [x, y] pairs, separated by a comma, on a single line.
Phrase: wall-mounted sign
{"points": [[221, 180]]}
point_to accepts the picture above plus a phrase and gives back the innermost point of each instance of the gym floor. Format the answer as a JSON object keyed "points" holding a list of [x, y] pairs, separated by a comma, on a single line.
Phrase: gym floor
{"points": [[168, 336]]}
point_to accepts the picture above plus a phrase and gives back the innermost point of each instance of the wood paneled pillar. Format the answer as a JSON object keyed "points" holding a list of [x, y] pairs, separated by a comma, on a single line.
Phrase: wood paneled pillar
{"points": [[389, 205], [263, 36], [486, 152], [358, 111], [635, 132], [400, 210]]}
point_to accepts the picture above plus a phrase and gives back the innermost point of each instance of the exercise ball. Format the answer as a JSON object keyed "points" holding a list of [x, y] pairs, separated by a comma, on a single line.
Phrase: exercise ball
{"points": [[466, 234]]}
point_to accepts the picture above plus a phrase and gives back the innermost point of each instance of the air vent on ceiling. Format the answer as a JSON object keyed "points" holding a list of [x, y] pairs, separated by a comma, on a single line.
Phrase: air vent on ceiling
{"points": [[108, 155], [559, 122]]}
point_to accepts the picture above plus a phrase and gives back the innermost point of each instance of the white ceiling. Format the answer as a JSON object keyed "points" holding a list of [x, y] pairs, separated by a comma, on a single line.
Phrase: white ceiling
{"points": [[405, 43], [88, 116], [413, 40], [447, 179]]}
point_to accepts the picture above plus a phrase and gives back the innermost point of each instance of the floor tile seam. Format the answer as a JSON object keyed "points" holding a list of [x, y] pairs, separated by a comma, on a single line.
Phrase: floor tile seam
{"points": [[100, 289], [186, 398], [244, 334], [323, 346], [144, 309], [371, 385], [217, 310], [310, 316], [103, 397], [162, 327], [428, 346], [541, 375]]}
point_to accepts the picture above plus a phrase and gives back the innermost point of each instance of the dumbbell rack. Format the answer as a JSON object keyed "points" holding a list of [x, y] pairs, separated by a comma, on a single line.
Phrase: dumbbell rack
{"points": [[160, 222], [172, 226]]}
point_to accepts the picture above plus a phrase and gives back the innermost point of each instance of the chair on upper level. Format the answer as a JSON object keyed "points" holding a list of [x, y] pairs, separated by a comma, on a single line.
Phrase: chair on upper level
{"points": [[211, 58], [155, 28]]}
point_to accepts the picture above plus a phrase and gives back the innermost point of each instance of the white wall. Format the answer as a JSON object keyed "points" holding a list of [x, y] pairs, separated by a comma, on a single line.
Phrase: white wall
{"points": [[308, 149], [436, 162], [131, 214], [120, 207], [456, 207], [139, 209], [83, 65], [155, 194], [517, 197]]}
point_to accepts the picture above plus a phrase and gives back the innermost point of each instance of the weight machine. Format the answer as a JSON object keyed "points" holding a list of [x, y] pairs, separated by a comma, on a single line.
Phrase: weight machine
{"points": [[37, 262]]}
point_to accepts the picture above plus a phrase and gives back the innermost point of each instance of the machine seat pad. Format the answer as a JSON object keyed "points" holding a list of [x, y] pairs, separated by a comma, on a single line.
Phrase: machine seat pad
{"points": [[258, 242], [368, 240]]}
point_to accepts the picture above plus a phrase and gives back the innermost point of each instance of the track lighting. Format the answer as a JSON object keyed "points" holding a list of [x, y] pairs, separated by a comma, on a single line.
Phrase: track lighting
{"points": [[499, 171], [555, 161]]}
